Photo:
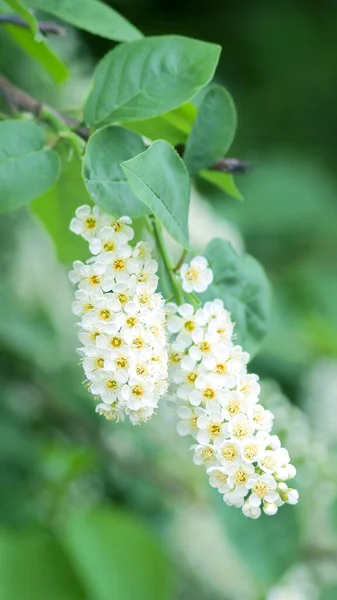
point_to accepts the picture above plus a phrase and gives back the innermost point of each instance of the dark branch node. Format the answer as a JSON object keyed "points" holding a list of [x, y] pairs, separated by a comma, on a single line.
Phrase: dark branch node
{"points": [[224, 165]]}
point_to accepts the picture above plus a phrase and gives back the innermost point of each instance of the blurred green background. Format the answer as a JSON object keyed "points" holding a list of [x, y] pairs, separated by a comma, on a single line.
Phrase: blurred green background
{"points": [[94, 511]]}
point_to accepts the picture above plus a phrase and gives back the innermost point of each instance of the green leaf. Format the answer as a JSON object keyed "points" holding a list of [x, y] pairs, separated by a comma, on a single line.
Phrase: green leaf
{"points": [[27, 169], [104, 177], [34, 567], [57, 207], [252, 540], [182, 117], [241, 283], [173, 126], [224, 181], [90, 15], [25, 14], [39, 52], [158, 128], [213, 130], [149, 77], [116, 556], [159, 178]]}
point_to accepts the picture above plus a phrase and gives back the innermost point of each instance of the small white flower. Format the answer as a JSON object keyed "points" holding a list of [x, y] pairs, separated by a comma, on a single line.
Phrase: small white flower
{"points": [[88, 221], [292, 496], [270, 461], [239, 475], [141, 415], [249, 386], [204, 455], [240, 427], [288, 495], [84, 302], [251, 449], [263, 487], [186, 323], [254, 512], [123, 225], [107, 387], [107, 240], [230, 453], [206, 392], [186, 380], [91, 278], [189, 419], [196, 276], [75, 275], [95, 359], [212, 428], [270, 508], [237, 361], [233, 498], [110, 412], [262, 418], [138, 393], [142, 250], [218, 478], [233, 404]]}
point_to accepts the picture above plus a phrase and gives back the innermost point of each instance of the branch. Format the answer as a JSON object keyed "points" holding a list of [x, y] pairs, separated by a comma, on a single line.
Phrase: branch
{"points": [[44, 26], [18, 99], [224, 165], [231, 165]]}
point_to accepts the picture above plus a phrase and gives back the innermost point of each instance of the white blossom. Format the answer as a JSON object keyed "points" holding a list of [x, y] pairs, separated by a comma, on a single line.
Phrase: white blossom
{"points": [[88, 221], [196, 276], [121, 318], [270, 508], [218, 406], [253, 512]]}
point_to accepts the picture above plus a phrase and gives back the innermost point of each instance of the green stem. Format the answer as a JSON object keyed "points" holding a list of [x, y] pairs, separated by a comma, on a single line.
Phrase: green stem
{"points": [[49, 116], [158, 235], [180, 261], [193, 299]]}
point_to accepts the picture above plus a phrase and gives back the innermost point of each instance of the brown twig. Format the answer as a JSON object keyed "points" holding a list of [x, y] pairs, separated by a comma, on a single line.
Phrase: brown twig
{"points": [[231, 165], [224, 165], [45, 27], [24, 101], [17, 99]]}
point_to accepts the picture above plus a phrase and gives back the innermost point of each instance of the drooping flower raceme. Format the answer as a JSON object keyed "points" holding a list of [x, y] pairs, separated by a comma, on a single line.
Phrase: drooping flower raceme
{"points": [[196, 276], [121, 318], [217, 403]]}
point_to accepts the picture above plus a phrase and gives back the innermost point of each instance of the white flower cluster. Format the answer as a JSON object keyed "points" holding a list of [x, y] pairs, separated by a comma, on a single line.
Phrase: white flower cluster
{"points": [[196, 276], [122, 318], [218, 405]]}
